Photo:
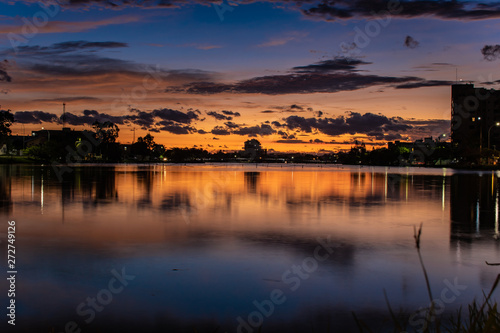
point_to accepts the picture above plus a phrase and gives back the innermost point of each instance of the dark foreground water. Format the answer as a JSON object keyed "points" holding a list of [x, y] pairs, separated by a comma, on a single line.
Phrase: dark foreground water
{"points": [[290, 248]]}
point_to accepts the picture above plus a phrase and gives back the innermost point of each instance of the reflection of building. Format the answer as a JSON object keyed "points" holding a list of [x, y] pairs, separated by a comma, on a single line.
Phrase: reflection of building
{"points": [[474, 114], [473, 205]]}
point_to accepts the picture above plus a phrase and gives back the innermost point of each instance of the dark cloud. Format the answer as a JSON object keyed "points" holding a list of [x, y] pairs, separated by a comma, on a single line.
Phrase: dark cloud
{"points": [[283, 135], [219, 130], [168, 120], [81, 59], [230, 124], [82, 65], [374, 126], [3, 71], [89, 117], [316, 141], [489, 83], [290, 141], [307, 81], [294, 84], [442, 64], [67, 99], [253, 131], [64, 47], [422, 128], [411, 43], [328, 9], [337, 64], [231, 113], [420, 84], [268, 111], [491, 52], [35, 117], [219, 116], [353, 123], [294, 108], [441, 9], [178, 129], [175, 115]]}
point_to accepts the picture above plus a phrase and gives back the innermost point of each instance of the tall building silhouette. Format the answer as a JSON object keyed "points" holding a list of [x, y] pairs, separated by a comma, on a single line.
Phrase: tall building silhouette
{"points": [[475, 119]]}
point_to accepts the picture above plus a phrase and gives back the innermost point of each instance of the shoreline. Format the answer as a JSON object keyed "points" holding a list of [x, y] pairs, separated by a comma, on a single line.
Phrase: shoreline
{"points": [[22, 160]]}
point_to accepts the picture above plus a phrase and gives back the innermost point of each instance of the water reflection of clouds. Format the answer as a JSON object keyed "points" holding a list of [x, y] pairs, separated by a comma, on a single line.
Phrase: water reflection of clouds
{"points": [[248, 226]]}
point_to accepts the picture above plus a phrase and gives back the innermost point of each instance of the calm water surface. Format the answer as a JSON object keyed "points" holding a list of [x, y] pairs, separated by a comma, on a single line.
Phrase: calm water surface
{"points": [[207, 245]]}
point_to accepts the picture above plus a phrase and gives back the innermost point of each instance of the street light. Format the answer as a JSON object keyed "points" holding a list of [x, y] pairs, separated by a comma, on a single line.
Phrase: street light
{"points": [[480, 138], [489, 130]]}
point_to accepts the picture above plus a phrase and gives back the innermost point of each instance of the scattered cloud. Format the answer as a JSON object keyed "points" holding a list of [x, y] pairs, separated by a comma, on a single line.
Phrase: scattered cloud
{"points": [[231, 113], [219, 116], [253, 131], [336, 64], [354, 123], [80, 59], [329, 76], [3, 71], [328, 9], [291, 141], [35, 117], [424, 83], [64, 47], [220, 130], [169, 120], [411, 43], [282, 40], [67, 99], [491, 52], [440, 9], [70, 26]]}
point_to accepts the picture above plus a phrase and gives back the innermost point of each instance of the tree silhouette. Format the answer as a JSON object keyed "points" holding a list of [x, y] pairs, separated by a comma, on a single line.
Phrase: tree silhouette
{"points": [[6, 120], [107, 133]]}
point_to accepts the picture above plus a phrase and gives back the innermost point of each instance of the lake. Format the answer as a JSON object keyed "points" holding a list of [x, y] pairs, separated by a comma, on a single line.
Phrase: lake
{"points": [[230, 248]]}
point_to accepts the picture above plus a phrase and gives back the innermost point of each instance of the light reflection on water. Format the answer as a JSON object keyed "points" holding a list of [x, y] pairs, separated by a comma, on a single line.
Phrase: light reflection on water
{"points": [[205, 241]]}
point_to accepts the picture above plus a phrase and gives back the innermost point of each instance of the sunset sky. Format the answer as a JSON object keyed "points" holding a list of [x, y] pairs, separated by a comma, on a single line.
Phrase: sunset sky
{"points": [[297, 75]]}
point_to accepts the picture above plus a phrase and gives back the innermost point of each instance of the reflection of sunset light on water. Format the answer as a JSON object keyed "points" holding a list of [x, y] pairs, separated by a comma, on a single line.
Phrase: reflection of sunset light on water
{"points": [[251, 222]]}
